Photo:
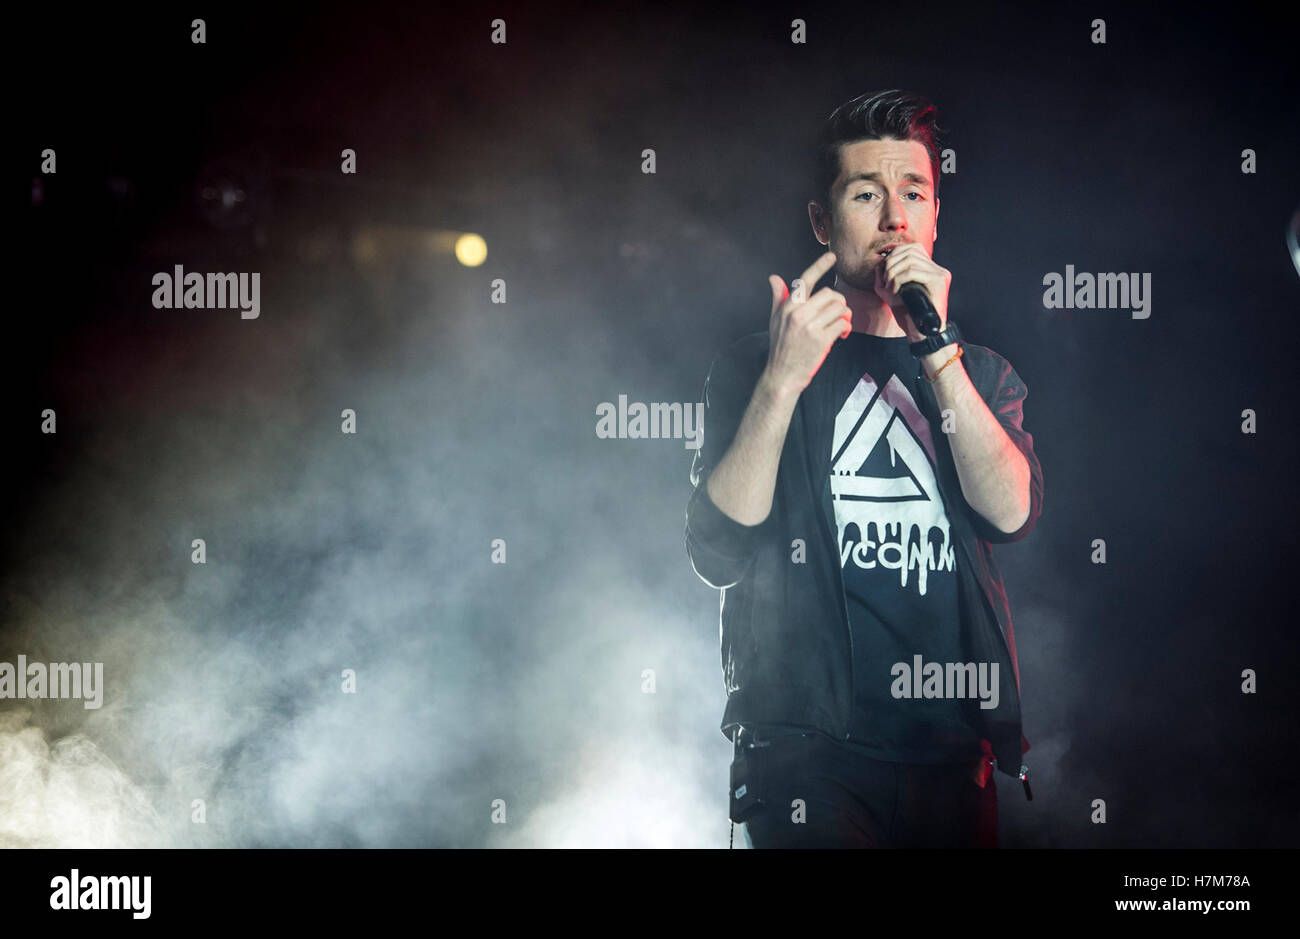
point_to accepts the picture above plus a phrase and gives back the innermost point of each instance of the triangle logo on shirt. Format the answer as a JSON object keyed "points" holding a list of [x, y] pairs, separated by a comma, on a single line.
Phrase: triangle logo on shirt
{"points": [[882, 472]]}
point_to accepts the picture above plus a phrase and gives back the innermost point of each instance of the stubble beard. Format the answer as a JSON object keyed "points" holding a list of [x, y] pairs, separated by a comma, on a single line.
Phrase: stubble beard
{"points": [[863, 279]]}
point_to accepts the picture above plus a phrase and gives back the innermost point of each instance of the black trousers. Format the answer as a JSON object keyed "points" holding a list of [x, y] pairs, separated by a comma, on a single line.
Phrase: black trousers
{"points": [[814, 792]]}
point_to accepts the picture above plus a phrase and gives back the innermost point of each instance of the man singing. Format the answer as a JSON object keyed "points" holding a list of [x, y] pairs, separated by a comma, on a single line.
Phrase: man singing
{"points": [[852, 476]]}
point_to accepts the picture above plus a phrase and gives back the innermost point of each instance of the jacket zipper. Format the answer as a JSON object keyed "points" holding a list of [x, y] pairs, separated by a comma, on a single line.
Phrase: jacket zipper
{"points": [[991, 614]]}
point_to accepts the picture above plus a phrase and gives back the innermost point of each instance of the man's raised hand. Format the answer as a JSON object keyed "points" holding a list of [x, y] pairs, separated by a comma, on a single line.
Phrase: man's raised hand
{"points": [[802, 330]]}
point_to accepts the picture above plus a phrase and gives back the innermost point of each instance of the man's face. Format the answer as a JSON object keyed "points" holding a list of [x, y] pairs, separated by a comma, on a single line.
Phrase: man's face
{"points": [[883, 195]]}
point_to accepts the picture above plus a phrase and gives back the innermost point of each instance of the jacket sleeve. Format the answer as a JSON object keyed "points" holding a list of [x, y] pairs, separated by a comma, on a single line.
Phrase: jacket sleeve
{"points": [[1008, 408], [721, 549]]}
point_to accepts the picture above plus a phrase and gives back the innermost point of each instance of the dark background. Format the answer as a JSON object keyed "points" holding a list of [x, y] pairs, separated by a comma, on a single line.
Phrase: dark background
{"points": [[524, 681]]}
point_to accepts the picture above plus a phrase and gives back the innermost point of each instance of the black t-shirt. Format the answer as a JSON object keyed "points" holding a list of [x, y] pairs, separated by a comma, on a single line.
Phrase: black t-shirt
{"points": [[897, 551]]}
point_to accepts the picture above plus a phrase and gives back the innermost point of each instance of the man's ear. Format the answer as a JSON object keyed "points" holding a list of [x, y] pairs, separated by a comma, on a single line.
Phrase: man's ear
{"points": [[817, 216], [936, 218]]}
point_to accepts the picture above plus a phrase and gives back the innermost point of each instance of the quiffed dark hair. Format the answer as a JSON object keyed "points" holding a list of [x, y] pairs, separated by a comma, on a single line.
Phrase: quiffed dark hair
{"points": [[884, 115]]}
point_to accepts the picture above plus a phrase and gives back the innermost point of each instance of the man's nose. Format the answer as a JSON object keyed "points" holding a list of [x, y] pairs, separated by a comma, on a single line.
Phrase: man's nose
{"points": [[892, 218]]}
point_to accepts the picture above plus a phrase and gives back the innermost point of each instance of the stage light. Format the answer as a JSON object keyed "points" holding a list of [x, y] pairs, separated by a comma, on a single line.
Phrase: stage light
{"points": [[471, 250]]}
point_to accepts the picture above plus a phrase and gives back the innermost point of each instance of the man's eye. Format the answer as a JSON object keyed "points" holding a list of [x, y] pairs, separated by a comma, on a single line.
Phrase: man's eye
{"points": [[919, 196]]}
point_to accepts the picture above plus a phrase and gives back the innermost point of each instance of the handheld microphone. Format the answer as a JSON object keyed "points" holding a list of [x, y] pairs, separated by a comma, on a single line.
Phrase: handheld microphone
{"points": [[922, 310], [924, 315]]}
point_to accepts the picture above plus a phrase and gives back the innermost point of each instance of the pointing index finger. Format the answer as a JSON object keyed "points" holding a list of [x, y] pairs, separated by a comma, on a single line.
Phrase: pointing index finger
{"points": [[817, 269]]}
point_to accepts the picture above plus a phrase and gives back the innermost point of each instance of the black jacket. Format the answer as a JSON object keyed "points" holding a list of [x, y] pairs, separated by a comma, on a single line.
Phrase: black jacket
{"points": [[786, 646]]}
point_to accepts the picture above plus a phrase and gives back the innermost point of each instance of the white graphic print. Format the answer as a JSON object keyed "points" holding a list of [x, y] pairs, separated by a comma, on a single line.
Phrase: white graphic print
{"points": [[905, 505]]}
